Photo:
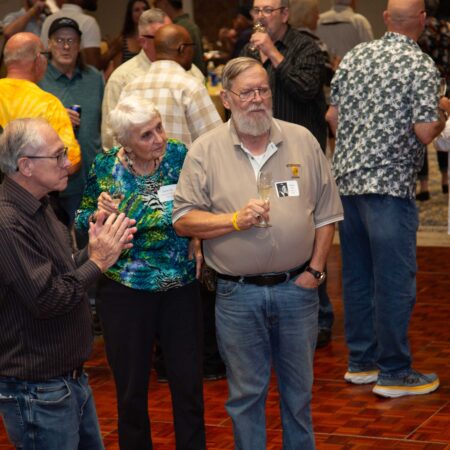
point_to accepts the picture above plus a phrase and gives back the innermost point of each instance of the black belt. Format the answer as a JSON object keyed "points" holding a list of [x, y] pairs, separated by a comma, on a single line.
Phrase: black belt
{"points": [[265, 279]]}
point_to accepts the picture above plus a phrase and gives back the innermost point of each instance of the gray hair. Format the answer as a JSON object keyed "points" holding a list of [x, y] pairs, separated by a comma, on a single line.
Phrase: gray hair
{"points": [[26, 52], [129, 112], [301, 12], [20, 137], [284, 4], [235, 67], [150, 16]]}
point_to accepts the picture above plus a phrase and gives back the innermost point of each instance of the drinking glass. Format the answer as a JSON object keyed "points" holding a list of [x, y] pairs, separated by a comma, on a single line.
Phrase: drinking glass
{"points": [[265, 183], [258, 27], [116, 193]]}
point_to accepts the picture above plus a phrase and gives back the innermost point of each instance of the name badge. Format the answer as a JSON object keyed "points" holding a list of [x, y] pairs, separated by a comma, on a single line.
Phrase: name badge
{"points": [[287, 188], [166, 193]]}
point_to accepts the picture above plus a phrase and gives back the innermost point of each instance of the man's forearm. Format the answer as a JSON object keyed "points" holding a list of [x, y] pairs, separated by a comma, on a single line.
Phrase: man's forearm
{"points": [[204, 225], [322, 244]]}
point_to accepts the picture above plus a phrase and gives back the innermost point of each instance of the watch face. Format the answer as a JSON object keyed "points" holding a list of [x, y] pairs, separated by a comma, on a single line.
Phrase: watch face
{"points": [[321, 277]]}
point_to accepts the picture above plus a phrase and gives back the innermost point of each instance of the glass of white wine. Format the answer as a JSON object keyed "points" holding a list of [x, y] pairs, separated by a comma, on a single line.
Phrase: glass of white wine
{"points": [[116, 194], [265, 183], [258, 27]]}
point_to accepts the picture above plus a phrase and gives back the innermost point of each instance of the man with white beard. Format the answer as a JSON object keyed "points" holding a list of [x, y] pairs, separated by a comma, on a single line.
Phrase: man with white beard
{"points": [[267, 278]]}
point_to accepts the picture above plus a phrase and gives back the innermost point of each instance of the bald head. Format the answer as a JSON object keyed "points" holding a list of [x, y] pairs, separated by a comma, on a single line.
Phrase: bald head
{"points": [[405, 17], [22, 48], [22, 57], [168, 38], [174, 43]]}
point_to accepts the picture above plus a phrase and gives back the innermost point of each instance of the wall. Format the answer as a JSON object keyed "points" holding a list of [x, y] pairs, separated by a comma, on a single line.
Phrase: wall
{"points": [[210, 14]]}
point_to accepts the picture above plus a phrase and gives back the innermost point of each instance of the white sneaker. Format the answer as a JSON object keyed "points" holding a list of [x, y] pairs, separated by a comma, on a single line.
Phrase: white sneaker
{"points": [[370, 376]]}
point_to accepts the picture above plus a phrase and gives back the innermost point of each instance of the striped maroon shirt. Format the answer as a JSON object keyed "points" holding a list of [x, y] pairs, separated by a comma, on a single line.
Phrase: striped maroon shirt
{"points": [[45, 319]]}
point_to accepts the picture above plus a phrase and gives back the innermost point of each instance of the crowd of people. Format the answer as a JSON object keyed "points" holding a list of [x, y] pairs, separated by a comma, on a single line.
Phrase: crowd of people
{"points": [[138, 188]]}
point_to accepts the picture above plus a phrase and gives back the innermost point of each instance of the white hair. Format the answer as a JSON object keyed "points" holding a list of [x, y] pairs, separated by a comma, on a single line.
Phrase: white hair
{"points": [[150, 16], [129, 112], [19, 138]]}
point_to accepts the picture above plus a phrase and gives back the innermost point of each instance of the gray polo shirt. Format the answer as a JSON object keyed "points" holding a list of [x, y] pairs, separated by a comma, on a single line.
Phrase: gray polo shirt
{"points": [[218, 177]]}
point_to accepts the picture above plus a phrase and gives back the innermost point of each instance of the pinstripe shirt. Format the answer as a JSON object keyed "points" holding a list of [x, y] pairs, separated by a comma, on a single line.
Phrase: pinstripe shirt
{"points": [[45, 321], [297, 83], [186, 109]]}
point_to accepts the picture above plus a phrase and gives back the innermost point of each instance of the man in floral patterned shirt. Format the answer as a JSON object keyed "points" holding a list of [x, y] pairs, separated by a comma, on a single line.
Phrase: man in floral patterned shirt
{"points": [[385, 109]]}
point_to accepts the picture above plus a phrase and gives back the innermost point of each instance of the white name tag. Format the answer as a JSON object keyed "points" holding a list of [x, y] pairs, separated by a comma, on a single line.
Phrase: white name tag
{"points": [[287, 188], [166, 193]]}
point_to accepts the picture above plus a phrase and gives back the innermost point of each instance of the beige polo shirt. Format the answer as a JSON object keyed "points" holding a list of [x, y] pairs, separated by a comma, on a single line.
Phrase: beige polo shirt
{"points": [[218, 177]]}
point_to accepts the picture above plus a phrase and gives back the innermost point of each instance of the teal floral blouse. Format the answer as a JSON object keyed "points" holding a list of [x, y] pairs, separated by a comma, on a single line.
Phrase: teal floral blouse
{"points": [[158, 260]]}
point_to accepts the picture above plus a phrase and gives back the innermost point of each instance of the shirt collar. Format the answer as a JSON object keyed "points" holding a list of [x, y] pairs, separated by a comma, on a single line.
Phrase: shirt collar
{"points": [[72, 7], [397, 37], [22, 198], [275, 136], [288, 37], [56, 74]]}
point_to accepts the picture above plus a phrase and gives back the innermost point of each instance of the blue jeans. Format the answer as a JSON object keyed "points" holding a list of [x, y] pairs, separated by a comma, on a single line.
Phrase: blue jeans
{"points": [[257, 326], [378, 245], [50, 415]]}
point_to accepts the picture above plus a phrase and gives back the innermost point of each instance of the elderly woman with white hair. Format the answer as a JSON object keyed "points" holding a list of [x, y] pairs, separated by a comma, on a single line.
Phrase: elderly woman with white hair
{"points": [[152, 288]]}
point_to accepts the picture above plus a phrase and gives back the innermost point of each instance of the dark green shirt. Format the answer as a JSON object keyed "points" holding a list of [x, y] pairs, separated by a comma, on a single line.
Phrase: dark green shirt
{"points": [[85, 88]]}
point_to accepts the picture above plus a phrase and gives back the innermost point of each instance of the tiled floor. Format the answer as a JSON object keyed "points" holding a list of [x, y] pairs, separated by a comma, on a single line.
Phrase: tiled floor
{"points": [[345, 416]]}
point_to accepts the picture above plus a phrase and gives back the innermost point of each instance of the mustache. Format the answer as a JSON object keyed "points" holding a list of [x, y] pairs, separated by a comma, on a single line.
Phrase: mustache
{"points": [[254, 107]]}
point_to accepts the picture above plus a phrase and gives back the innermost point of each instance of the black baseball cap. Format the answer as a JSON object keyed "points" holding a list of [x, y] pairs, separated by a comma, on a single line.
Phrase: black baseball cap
{"points": [[63, 22]]}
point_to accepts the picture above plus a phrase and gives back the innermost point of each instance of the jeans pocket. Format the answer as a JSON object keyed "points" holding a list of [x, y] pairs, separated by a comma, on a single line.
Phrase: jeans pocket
{"points": [[51, 394], [226, 288], [302, 288], [12, 418]]}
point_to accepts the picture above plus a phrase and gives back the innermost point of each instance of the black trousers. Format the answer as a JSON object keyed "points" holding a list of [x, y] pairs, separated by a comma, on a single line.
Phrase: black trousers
{"points": [[130, 320], [442, 158]]}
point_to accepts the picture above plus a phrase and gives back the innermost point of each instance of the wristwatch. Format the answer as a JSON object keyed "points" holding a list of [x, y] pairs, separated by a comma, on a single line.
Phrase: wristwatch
{"points": [[319, 276]]}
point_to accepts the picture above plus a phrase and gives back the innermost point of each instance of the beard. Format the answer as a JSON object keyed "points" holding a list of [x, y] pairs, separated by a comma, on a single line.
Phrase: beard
{"points": [[251, 123]]}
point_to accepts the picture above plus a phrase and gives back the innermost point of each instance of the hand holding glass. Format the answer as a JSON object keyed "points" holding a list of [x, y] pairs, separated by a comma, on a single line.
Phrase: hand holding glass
{"points": [[258, 27], [116, 197], [265, 183]]}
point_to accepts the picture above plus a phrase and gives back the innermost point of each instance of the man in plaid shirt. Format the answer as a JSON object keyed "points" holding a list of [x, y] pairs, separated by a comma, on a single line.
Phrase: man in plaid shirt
{"points": [[186, 109]]}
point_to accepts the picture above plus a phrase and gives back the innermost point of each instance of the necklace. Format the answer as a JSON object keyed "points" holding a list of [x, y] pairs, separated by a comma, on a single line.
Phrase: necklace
{"points": [[147, 186], [130, 164]]}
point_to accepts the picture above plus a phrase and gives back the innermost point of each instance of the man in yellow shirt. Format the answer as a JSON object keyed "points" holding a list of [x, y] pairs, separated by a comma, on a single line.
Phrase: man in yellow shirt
{"points": [[26, 63]]}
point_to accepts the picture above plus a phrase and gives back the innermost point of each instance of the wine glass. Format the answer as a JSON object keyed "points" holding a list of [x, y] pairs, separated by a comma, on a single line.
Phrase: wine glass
{"points": [[442, 87], [116, 194], [264, 184], [258, 27]]}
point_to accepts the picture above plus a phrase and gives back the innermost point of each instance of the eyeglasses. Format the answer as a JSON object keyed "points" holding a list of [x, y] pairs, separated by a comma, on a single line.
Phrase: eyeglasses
{"points": [[245, 96], [266, 11], [61, 157], [147, 36], [181, 47], [61, 42]]}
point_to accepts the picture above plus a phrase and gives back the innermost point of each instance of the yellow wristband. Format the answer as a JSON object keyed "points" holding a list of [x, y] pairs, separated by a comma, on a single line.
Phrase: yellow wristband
{"points": [[235, 225]]}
